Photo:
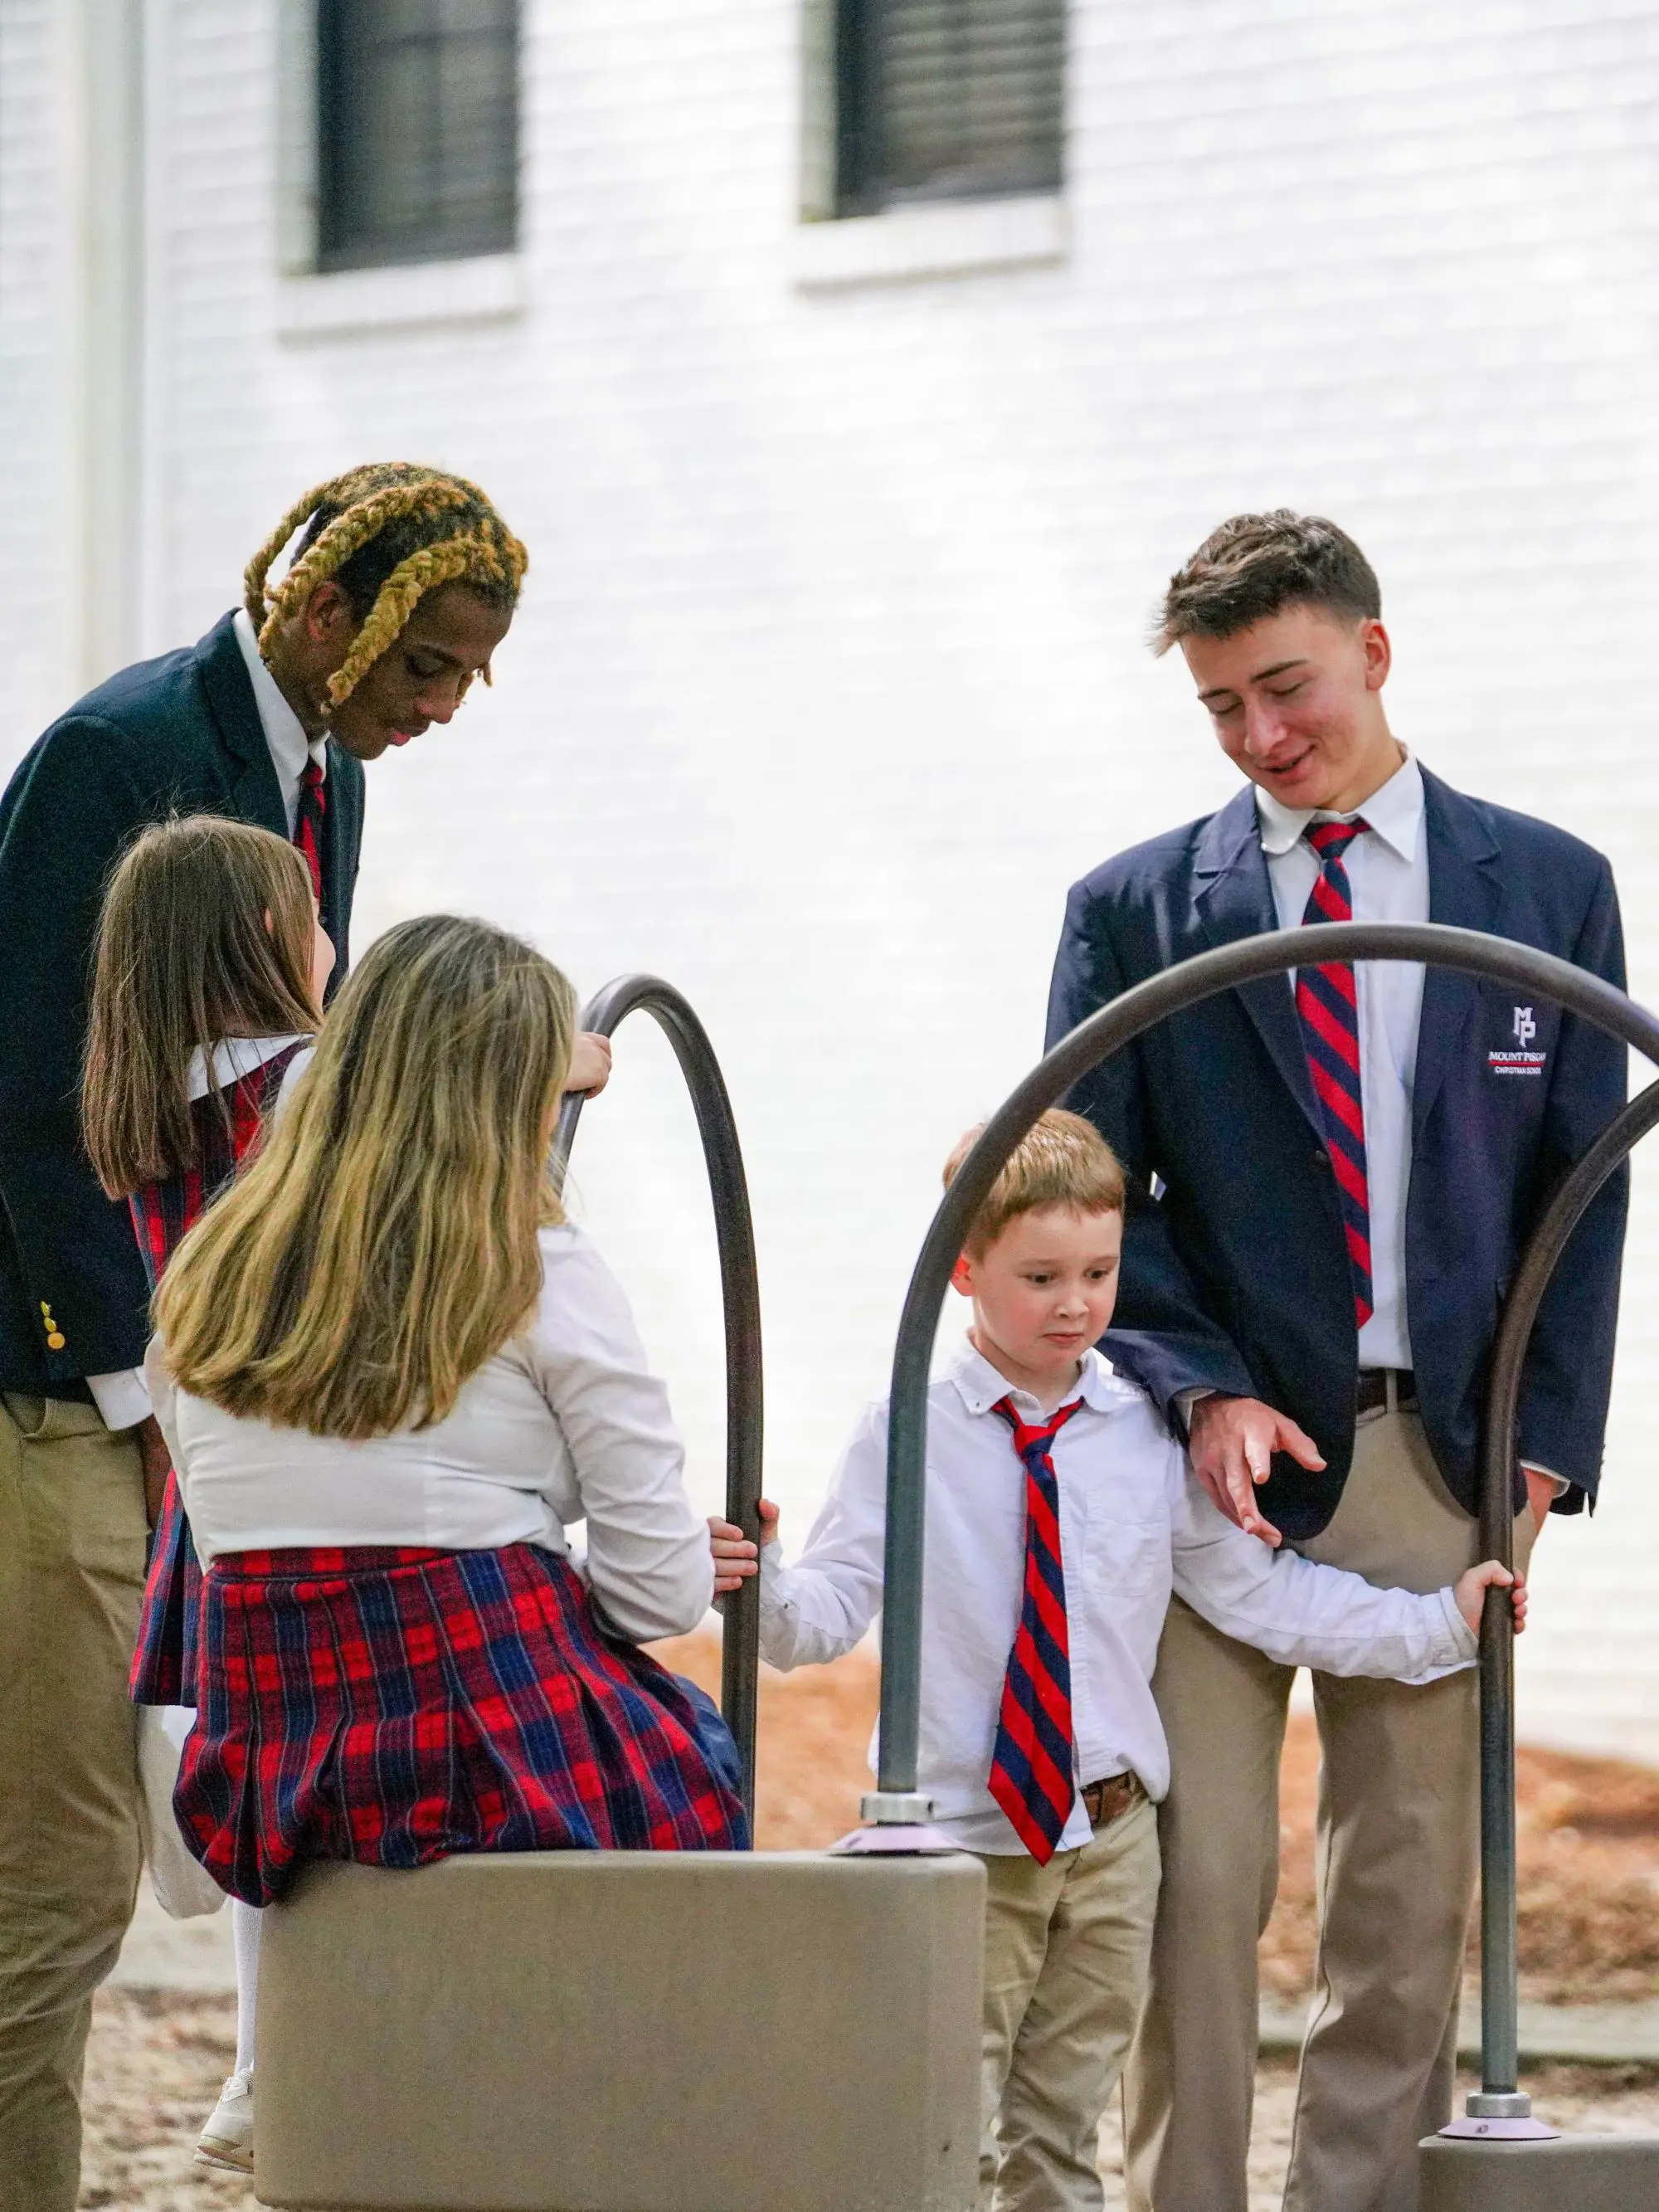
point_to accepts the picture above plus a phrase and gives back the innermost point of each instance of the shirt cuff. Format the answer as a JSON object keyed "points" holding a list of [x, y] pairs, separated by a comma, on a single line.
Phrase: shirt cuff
{"points": [[1562, 1485], [122, 1397], [1183, 1402], [1465, 1644], [772, 1597]]}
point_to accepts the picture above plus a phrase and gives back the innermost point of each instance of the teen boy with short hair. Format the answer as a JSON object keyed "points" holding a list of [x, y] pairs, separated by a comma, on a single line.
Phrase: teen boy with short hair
{"points": [[1060, 1515], [1330, 1187]]}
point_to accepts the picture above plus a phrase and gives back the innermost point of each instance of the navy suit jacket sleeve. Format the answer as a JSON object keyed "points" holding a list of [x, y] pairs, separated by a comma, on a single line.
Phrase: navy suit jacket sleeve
{"points": [[1164, 1335], [79, 800], [1569, 1370]]}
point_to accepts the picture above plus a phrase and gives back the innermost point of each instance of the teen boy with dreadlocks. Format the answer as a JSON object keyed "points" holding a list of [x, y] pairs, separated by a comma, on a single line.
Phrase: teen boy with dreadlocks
{"points": [[404, 585]]}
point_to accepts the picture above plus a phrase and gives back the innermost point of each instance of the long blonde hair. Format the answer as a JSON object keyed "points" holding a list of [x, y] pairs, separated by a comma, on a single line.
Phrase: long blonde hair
{"points": [[206, 934], [383, 1246]]}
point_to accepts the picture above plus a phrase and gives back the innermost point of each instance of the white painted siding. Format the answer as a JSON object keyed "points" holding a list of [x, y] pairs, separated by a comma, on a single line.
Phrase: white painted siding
{"points": [[829, 676]]}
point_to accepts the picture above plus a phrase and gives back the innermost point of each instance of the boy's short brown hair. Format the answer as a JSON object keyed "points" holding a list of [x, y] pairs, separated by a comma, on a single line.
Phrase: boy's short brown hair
{"points": [[1257, 565], [1061, 1160]]}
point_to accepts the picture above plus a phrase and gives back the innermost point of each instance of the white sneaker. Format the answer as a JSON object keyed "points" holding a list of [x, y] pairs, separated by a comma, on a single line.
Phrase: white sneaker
{"points": [[228, 2138]]}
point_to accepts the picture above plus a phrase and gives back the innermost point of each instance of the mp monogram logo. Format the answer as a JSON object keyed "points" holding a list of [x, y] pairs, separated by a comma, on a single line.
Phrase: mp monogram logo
{"points": [[1523, 1060]]}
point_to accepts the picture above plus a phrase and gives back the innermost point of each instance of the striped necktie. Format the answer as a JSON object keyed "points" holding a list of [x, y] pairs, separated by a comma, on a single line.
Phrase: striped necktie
{"points": [[1031, 1768], [1327, 1002], [308, 821]]}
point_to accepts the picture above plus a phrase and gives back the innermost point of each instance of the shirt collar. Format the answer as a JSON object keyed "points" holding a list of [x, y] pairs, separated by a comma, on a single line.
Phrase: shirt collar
{"points": [[1393, 812], [230, 1061], [979, 1386], [285, 734]]}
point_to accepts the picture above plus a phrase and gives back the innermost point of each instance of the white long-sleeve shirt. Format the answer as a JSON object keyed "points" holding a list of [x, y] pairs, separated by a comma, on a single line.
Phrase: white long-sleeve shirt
{"points": [[1134, 1525], [565, 1424]]}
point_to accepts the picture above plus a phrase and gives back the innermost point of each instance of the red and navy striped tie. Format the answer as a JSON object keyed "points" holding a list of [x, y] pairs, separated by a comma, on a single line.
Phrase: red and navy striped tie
{"points": [[308, 823], [1031, 1768], [1328, 1001]]}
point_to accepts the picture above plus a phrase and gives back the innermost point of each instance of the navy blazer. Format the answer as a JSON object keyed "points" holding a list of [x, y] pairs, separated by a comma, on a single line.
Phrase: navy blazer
{"points": [[180, 735], [1235, 1278]]}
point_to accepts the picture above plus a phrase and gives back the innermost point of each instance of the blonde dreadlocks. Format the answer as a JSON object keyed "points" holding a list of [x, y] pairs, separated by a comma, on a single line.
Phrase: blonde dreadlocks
{"points": [[387, 534]]}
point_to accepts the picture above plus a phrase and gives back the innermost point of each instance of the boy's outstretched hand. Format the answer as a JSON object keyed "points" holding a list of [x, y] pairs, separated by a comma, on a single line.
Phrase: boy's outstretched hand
{"points": [[1472, 1588], [735, 1557]]}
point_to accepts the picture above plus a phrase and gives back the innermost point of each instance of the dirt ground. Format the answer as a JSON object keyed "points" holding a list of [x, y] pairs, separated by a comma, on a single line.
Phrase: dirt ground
{"points": [[1588, 1858], [1589, 1931]]}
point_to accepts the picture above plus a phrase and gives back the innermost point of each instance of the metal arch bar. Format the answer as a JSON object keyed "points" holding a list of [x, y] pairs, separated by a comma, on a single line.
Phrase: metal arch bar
{"points": [[1429, 944], [1499, 1960], [740, 1300]]}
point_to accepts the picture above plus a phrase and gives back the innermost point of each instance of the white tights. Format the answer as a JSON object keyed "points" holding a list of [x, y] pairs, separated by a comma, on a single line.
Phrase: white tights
{"points": [[246, 1923]]}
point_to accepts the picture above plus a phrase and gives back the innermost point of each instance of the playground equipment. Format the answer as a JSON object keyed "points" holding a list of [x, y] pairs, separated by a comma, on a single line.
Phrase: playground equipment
{"points": [[734, 1236], [632, 2031], [661, 2032], [1498, 2155]]}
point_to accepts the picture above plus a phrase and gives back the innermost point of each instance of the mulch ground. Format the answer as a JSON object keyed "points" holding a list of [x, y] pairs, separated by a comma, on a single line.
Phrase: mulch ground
{"points": [[1589, 1932], [1588, 1828]]}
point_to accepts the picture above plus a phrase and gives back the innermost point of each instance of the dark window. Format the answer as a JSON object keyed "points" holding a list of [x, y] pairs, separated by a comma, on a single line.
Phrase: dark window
{"points": [[947, 98], [418, 133]]}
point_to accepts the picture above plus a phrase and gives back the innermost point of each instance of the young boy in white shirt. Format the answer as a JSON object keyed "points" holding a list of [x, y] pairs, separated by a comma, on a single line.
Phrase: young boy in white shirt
{"points": [[1060, 1515]]}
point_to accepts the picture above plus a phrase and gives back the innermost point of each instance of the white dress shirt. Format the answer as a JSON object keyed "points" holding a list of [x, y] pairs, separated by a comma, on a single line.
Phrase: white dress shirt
{"points": [[567, 1423], [1134, 1524], [285, 735], [122, 1396], [1388, 874]]}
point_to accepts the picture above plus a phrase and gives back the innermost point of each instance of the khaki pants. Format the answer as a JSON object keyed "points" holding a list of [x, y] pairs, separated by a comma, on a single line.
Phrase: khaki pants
{"points": [[71, 1573], [1065, 1951], [1398, 1832]]}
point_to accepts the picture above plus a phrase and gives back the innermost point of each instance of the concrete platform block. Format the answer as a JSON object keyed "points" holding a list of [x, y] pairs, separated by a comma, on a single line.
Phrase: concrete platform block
{"points": [[624, 2032], [1568, 2174]]}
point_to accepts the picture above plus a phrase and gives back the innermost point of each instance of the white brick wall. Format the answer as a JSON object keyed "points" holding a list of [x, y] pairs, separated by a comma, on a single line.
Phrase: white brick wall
{"points": [[829, 679]]}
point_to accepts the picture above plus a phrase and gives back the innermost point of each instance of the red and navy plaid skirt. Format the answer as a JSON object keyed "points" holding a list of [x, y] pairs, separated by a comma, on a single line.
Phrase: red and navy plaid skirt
{"points": [[164, 1659], [395, 1706]]}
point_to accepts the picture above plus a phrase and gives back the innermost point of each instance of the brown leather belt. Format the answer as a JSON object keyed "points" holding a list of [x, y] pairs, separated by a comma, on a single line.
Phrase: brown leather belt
{"points": [[1109, 1800], [1372, 1394]]}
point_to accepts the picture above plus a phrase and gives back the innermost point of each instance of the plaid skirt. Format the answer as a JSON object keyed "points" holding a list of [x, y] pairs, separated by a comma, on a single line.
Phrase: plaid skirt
{"points": [[164, 1661], [395, 1706]]}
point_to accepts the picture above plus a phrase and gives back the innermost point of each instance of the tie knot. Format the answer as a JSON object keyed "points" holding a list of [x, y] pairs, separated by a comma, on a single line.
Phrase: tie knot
{"points": [[1331, 840], [312, 774], [1028, 1439]]}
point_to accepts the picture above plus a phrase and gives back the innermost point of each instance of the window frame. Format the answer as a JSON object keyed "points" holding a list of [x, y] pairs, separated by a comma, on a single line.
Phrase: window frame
{"points": [[857, 185], [335, 249]]}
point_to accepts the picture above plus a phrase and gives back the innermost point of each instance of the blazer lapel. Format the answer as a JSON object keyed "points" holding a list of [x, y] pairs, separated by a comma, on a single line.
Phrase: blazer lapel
{"points": [[1232, 899], [1464, 890], [255, 794]]}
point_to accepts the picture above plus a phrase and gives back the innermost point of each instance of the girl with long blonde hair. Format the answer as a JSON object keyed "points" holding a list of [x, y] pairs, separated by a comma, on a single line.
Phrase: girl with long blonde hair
{"points": [[393, 1376]]}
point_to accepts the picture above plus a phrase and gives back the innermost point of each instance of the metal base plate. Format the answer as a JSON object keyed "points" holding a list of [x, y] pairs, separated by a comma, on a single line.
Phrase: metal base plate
{"points": [[1501, 2130], [895, 1839]]}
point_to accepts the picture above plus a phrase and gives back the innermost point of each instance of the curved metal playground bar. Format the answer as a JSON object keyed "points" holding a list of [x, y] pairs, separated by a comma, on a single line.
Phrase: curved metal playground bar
{"points": [[895, 1800], [740, 1301]]}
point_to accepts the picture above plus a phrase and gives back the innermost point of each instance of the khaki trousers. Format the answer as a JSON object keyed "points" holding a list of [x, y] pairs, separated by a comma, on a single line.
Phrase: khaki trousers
{"points": [[1398, 1834], [1066, 1951], [71, 1573]]}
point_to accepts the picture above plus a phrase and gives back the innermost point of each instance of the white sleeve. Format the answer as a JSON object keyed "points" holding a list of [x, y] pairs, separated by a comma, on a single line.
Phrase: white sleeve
{"points": [[649, 1562], [122, 1399], [1307, 1615], [819, 1608], [159, 1389]]}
